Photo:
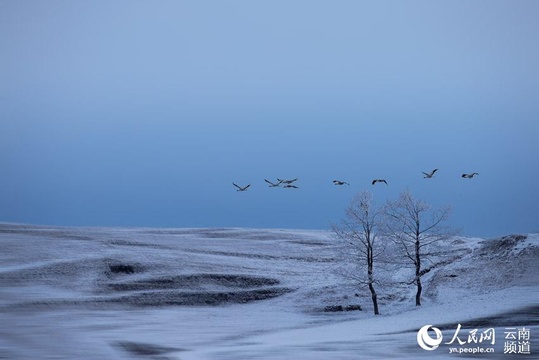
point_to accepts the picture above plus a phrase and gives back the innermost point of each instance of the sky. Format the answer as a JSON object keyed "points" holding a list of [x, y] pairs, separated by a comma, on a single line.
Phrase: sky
{"points": [[143, 113]]}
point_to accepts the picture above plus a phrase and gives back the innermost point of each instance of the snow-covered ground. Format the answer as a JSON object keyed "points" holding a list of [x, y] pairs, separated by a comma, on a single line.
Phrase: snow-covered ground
{"points": [[124, 293]]}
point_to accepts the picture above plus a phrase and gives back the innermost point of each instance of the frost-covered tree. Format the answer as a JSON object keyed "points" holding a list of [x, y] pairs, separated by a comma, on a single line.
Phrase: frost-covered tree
{"points": [[358, 241], [415, 228]]}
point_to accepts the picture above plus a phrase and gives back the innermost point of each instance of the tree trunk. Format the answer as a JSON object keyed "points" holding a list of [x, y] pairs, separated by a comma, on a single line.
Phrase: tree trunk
{"points": [[374, 299], [417, 273], [418, 294], [370, 271]]}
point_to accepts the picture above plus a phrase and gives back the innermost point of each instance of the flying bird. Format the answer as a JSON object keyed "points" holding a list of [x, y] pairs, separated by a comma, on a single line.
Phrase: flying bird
{"points": [[273, 184], [338, 182], [290, 186], [469, 176], [240, 188], [287, 181], [429, 175], [379, 180]]}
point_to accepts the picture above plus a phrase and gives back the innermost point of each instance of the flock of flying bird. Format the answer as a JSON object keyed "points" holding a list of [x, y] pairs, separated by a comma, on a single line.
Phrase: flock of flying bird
{"points": [[288, 184]]}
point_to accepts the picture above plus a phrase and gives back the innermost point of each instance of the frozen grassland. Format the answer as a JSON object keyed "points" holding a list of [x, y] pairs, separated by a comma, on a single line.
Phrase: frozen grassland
{"points": [[129, 293]]}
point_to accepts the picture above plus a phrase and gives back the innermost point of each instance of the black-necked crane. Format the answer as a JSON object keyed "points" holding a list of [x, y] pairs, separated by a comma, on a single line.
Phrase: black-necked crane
{"points": [[290, 186], [429, 175], [287, 181], [271, 184], [338, 182], [241, 188], [469, 176], [379, 180]]}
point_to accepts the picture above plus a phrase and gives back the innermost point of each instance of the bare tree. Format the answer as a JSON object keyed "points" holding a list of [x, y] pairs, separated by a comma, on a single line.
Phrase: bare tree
{"points": [[415, 227], [357, 233]]}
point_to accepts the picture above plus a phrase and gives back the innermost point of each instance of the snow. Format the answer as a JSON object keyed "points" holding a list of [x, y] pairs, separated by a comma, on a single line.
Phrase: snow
{"points": [[242, 294]]}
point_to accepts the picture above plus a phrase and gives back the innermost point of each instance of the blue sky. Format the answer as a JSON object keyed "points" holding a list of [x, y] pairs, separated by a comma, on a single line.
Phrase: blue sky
{"points": [[143, 113]]}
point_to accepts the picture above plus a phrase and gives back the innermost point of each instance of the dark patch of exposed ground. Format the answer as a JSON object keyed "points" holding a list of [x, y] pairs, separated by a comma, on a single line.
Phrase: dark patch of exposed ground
{"points": [[145, 349], [193, 280]]}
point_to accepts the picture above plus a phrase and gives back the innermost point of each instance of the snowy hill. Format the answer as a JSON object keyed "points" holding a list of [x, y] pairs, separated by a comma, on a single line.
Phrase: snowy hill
{"points": [[120, 293]]}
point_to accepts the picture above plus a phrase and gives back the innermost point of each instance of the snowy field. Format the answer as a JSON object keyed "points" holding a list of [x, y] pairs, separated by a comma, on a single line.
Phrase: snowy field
{"points": [[139, 293]]}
